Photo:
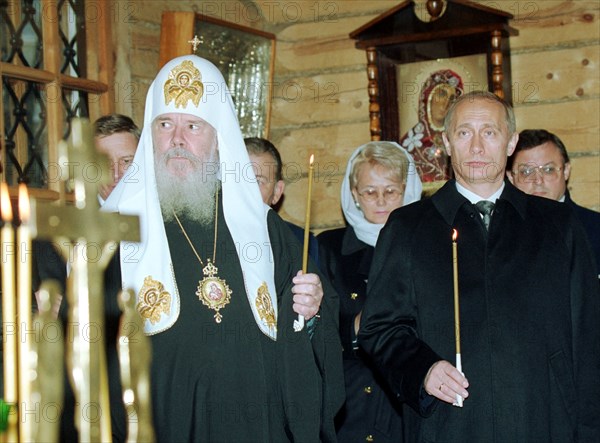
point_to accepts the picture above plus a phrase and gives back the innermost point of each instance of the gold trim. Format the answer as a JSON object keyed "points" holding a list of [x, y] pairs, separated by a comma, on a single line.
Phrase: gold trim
{"points": [[184, 84], [154, 300], [264, 306]]}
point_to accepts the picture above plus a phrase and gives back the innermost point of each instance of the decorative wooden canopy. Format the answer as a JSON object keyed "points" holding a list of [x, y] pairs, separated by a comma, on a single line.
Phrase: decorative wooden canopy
{"points": [[399, 36]]}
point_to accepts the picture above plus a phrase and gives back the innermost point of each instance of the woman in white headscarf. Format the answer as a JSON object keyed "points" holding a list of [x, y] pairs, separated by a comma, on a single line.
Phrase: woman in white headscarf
{"points": [[380, 177]]}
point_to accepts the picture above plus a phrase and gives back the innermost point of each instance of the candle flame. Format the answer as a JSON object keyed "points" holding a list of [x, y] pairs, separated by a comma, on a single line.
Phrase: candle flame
{"points": [[312, 159], [5, 205], [23, 203], [454, 234]]}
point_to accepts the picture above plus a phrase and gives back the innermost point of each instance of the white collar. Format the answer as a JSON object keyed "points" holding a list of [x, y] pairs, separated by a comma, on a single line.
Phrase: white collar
{"points": [[474, 198]]}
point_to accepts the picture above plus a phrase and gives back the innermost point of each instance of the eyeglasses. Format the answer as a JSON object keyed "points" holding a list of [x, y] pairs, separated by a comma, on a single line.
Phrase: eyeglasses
{"points": [[549, 172], [390, 194]]}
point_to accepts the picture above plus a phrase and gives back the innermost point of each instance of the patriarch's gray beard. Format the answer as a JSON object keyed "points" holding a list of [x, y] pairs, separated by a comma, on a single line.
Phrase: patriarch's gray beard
{"points": [[191, 196]]}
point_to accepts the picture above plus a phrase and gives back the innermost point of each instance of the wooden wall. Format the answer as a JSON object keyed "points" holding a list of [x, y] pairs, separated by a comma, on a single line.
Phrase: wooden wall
{"points": [[321, 105]]}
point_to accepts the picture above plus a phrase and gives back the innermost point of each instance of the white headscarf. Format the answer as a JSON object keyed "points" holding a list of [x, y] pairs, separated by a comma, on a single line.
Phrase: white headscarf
{"points": [[192, 85], [366, 231]]}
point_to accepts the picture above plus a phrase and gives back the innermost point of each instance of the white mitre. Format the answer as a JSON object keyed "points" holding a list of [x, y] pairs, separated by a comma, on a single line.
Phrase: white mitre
{"points": [[192, 85]]}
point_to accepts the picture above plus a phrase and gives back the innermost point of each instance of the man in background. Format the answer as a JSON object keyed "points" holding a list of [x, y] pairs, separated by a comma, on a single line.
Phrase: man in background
{"points": [[268, 167], [540, 166], [117, 137]]}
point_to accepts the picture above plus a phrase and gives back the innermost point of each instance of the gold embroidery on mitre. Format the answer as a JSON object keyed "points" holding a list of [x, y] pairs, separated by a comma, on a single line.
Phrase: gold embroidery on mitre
{"points": [[153, 300], [264, 306], [184, 83]]}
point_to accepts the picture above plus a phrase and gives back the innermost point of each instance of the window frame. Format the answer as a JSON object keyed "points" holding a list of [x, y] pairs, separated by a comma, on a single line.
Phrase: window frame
{"points": [[100, 77]]}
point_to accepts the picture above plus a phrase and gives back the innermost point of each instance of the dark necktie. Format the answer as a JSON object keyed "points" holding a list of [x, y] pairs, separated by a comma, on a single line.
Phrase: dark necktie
{"points": [[485, 208]]}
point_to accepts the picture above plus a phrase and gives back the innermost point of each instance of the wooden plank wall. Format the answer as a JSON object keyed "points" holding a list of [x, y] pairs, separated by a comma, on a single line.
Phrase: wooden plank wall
{"points": [[320, 102]]}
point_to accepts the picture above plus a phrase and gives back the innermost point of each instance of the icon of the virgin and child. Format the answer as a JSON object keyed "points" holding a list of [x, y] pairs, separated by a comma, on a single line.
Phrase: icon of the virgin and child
{"points": [[424, 140]]}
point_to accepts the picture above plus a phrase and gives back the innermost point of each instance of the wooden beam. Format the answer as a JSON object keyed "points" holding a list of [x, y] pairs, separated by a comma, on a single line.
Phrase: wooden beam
{"points": [[26, 73], [177, 28], [55, 113], [82, 84], [106, 56]]}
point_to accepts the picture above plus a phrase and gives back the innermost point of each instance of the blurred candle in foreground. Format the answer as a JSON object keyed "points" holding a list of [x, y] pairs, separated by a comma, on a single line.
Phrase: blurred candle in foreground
{"points": [[24, 323], [9, 313]]}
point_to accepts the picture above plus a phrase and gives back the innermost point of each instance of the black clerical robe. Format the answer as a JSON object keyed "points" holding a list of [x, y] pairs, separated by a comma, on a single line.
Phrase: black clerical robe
{"points": [[226, 382]]}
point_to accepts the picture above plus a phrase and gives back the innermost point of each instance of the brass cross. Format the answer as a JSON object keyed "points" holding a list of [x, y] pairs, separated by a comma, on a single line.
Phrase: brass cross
{"points": [[195, 42], [87, 238]]}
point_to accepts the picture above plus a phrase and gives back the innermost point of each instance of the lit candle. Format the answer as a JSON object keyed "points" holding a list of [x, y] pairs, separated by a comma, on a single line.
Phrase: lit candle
{"points": [[459, 399], [299, 324], [307, 217], [9, 312], [24, 307]]}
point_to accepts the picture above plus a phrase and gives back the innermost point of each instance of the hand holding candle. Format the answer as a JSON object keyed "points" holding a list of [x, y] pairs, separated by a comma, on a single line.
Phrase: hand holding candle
{"points": [[299, 324], [459, 399]]}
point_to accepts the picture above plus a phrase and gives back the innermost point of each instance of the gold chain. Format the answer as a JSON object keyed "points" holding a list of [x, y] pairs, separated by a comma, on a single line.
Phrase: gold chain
{"points": [[212, 291], [216, 225]]}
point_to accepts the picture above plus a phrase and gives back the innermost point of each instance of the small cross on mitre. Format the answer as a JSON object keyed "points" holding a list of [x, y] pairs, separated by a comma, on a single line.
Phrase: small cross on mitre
{"points": [[195, 42]]}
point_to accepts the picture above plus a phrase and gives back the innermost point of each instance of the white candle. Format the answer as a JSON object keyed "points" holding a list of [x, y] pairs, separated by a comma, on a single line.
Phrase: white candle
{"points": [[25, 323], [459, 399], [299, 323], [9, 313], [307, 216]]}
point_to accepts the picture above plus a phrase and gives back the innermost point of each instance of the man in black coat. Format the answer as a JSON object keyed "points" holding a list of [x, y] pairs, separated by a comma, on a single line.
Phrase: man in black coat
{"points": [[540, 166], [528, 295], [268, 168]]}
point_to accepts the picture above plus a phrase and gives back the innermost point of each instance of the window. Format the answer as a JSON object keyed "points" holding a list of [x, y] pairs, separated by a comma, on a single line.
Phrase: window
{"points": [[52, 71]]}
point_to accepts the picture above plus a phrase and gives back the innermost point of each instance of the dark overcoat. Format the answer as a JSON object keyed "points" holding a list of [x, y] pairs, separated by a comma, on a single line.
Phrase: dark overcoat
{"points": [[591, 223], [370, 411], [529, 319]]}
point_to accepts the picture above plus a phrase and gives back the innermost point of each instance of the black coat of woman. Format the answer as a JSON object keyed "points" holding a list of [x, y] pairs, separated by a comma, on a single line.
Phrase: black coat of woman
{"points": [[377, 181]]}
